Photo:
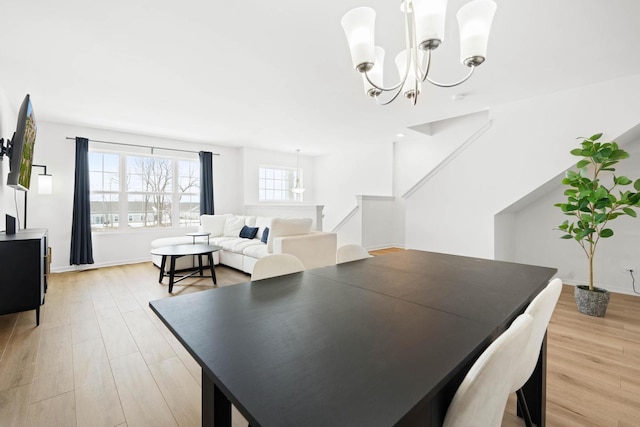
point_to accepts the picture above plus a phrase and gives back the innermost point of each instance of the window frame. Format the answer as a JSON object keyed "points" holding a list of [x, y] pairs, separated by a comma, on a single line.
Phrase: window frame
{"points": [[175, 195], [292, 197]]}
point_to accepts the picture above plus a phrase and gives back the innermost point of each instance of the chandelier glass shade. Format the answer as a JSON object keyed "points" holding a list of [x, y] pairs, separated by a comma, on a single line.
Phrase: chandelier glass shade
{"points": [[424, 32]]}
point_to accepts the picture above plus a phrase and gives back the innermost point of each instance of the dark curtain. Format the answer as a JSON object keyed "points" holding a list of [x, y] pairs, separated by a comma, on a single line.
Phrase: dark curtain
{"points": [[206, 183], [81, 247]]}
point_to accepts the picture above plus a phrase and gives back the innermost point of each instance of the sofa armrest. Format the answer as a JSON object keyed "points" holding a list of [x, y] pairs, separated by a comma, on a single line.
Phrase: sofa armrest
{"points": [[316, 249]]}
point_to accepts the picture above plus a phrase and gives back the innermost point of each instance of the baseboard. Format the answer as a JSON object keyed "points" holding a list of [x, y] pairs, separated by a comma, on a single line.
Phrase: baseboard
{"points": [[377, 248], [613, 289], [83, 267]]}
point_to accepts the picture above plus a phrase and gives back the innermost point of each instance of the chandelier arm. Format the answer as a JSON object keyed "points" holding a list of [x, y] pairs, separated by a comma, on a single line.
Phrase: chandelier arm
{"points": [[390, 100], [384, 89], [427, 67], [433, 82]]}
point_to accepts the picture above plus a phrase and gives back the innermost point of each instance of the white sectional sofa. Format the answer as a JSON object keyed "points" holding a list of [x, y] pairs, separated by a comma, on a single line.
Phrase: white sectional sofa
{"points": [[285, 235]]}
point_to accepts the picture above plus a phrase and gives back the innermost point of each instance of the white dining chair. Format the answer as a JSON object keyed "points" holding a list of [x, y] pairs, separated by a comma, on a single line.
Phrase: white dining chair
{"points": [[541, 309], [482, 396], [276, 265], [348, 253]]}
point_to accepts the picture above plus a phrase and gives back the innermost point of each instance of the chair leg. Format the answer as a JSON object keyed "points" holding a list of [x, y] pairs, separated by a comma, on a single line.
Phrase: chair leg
{"points": [[524, 409]]}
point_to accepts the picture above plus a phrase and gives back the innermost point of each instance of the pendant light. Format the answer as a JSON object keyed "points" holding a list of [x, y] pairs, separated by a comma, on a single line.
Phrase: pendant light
{"points": [[298, 188]]}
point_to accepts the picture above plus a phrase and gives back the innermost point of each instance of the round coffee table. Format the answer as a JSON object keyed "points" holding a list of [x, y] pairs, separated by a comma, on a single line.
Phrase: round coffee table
{"points": [[178, 251]]}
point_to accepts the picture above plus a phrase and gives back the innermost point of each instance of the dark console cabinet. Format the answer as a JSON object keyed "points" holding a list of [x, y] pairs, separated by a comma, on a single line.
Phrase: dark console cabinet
{"points": [[23, 271]]}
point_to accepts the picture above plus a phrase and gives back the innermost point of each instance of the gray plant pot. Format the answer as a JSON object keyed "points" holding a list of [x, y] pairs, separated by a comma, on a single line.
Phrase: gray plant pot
{"points": [[592, 303]]}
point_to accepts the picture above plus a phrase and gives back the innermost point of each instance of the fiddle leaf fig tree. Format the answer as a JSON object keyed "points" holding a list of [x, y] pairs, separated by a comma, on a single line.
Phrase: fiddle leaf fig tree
{"points": [[592, 203]]}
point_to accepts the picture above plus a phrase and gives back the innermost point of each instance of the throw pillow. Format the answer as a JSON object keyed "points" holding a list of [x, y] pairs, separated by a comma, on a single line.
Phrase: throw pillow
{"points": [[248, 232], [265, 235], [213, 224], [233, 225]]}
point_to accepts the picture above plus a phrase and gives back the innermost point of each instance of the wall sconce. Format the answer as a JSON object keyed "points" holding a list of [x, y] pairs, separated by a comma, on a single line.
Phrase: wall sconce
{"points": [[45, 181], [45, 186]]}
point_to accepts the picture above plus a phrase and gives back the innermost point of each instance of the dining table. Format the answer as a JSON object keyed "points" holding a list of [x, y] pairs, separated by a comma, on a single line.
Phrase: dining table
{"points": [[381, 341]]}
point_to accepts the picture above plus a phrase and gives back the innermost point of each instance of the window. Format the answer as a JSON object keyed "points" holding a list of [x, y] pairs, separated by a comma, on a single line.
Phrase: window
{"points": [[146, 191], [104, 181], [275, 183]]}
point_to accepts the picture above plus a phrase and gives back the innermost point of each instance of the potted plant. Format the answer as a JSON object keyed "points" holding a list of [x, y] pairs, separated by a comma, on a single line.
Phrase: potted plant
{"points": [[593, 204]]}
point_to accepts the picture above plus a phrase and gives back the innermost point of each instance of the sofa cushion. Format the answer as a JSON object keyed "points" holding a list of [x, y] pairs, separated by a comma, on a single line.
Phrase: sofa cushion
{"points": [[213, 224], [287, 227], [250, 221], [248, 232], [238, 245], [233, 225], [256, 251]]}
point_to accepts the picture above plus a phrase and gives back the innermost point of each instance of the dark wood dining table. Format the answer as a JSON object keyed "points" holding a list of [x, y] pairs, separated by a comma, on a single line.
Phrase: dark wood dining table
{"points": [[377, 342]]}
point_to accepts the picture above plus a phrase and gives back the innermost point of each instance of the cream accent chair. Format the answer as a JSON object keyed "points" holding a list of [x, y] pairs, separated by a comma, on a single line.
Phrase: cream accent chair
{"points": [[276, 265], [348, 253], [541, 309], [482, 396]]}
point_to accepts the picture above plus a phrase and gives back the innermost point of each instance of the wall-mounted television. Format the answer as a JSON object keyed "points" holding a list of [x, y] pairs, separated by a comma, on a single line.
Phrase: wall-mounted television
{"points": [[21, 148]]}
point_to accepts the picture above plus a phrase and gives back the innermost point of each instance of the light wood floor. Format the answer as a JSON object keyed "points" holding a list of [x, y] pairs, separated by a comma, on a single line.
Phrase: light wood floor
{"points": [[101, 357]]}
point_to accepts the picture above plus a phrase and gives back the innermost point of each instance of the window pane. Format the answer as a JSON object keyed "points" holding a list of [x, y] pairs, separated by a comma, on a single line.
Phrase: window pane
{"points": [[189, 177], [189, 210], [149, 210], [104, 211], [276, 183], [149, 174]]}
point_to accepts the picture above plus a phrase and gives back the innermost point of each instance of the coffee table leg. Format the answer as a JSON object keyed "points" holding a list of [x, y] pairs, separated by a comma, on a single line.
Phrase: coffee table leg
{"points": [[216, 408], [200, 264], [163, 264], [172, 273], [213, 268]]}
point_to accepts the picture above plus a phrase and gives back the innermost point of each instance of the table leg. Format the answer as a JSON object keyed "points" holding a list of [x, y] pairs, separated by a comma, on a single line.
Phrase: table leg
{"points": [[535, 390], [163, 264], [200, 264], [216, 408], [172, 273], [213, 268]]}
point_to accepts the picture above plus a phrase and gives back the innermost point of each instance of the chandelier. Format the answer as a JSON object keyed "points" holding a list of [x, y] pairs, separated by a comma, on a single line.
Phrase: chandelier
{"points": [[298, 188], [424, 32]]}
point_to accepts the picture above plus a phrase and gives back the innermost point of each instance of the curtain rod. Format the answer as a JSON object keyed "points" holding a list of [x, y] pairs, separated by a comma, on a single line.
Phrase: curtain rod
{"points": [[141, 146]]}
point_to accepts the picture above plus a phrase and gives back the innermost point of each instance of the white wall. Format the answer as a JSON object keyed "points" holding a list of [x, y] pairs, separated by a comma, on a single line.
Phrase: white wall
{"points": [[54, 212], [341, 176], [378, 217], [527, 145], [253, 158], [8, 118], [536, 241]]}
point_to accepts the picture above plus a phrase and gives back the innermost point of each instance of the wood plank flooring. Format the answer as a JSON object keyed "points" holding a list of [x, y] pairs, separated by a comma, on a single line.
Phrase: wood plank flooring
{"points": [[101, 357]]}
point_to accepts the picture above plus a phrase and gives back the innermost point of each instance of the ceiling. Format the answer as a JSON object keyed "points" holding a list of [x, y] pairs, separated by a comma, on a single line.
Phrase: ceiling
{"points": [[278, 75]]}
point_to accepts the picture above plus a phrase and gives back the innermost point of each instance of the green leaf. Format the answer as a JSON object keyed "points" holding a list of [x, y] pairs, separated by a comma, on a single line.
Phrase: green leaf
{"points": [[600, 218], [577, 152], [619, 155], [630, 212], [636, 185], [583, 163], [607, 232], [584, 233], [567, 236], [595, 137], [621, 180]]}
